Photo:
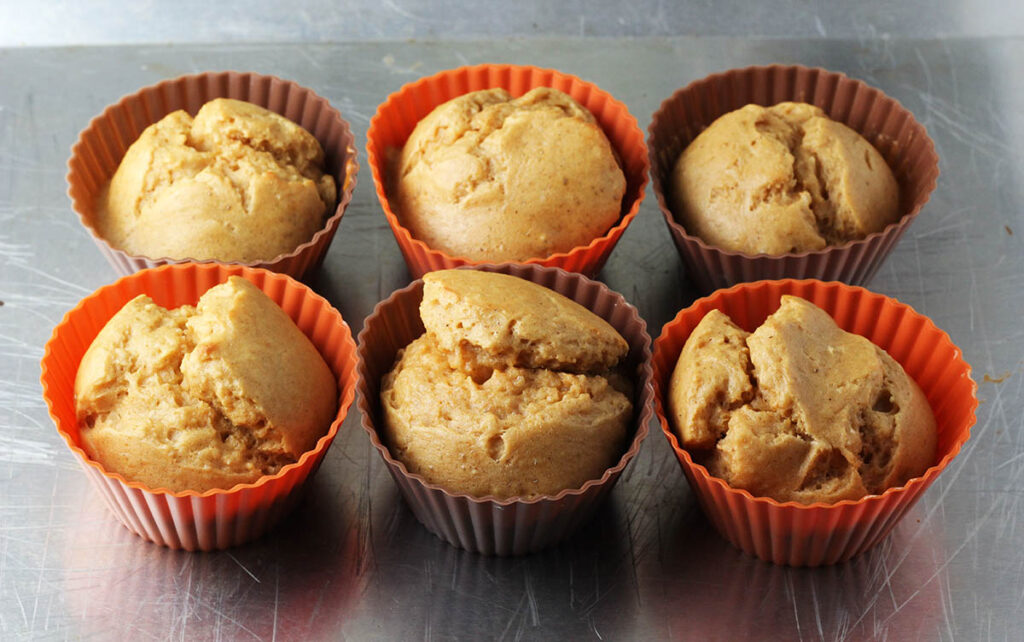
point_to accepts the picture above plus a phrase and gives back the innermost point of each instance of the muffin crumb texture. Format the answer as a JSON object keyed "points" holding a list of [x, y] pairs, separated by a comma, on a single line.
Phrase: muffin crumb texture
{"points": [[236, 183], [490, 177], [204, 397], [509, 393], [781, 179], [799, 410]]}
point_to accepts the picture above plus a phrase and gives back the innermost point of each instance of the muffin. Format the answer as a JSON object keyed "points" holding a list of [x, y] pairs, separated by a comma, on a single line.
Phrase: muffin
{"points": [[891, 129], [204, 397], [511, 391], [799, 410], [516, 525], [489, 177], [781, 179], [235, 183], [802, 534]]}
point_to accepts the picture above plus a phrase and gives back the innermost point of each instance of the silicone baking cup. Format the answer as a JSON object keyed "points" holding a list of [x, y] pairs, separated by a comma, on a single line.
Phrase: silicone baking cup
{"points": [[488, 525], [816, 534], [215, 519], [101, 146], [398, 115], [883, 121]]}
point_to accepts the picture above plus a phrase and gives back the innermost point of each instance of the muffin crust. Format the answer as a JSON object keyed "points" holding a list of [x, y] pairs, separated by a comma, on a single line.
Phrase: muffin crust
{"points": [[490, 403], [197, 398], [237, 183], [490, 177], [799, 410], [781, 179]]}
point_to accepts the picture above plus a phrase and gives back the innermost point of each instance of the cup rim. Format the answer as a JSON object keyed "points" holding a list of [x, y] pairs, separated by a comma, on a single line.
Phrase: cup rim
{"points": [[346, 389], [330, 223], [905, 218], [378, 162], [701, 471], [642, 408]]}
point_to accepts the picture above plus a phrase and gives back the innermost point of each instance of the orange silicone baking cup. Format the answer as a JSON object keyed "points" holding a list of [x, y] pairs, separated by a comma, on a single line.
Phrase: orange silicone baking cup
{"points": [[816, 534], [103, 143], [215, 519], [484, 524], [883, 121], [398, 115]]}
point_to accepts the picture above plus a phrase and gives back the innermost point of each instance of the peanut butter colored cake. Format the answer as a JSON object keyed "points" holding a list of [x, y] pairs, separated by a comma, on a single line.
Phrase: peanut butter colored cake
{"points": [[781, 179], [799, 410], [237, 183], [491, 177], [509, 393], [197, 398]]}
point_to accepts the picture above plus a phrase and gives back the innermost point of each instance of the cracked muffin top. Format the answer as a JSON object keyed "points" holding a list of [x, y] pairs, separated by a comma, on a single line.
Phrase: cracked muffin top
{"points": [[494, 178], [204, 397], [499, 397], [781, 179], [799, 410], [236, 183], [498, 320]]}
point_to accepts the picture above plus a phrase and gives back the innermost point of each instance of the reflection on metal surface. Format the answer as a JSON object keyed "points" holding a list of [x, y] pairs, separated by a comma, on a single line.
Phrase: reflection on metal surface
{"points": [[722, 593], [299, 582]]}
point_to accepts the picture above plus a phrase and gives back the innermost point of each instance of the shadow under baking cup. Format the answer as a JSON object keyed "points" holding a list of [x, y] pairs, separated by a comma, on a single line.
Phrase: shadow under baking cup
{"points": [[220, 518], [883, 121], [815, 534], [103, 143], [487, 525], [397, 116]]}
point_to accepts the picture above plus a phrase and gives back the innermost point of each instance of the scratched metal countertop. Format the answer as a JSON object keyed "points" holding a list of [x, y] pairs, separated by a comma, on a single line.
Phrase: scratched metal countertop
{"points": [[352, 561]]}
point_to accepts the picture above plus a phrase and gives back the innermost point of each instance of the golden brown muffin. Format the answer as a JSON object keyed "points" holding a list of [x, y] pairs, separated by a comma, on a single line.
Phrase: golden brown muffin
{"points": [[492, 178], [781, 179], [237, 183], [799, 410], [503, 400], [497, 320], [204, 397]]}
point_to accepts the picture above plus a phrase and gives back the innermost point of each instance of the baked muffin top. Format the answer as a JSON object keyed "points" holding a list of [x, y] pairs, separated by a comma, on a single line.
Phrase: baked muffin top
{"points": [[496, 320], [490, 177], [799, 410], [508, 393], [781, 179], [196, 398], [236, 183]]}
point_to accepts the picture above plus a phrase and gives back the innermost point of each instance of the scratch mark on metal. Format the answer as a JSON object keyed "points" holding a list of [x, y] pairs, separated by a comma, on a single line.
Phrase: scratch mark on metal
{"points": [[277, 595], [242, 566]]}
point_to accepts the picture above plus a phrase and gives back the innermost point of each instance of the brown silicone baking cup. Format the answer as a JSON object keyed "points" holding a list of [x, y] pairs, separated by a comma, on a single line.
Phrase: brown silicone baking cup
{"points": [[398, 115], [215, 519], [102, 145], [488, 525], [883, 121], [816, 534]]}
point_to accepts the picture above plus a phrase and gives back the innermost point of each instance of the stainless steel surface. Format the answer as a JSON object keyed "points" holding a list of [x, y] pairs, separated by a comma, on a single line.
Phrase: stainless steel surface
{"points": [[352, 561], [107, 22]]}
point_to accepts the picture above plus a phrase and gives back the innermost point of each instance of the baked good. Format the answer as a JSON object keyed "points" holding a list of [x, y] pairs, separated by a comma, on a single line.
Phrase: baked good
{"points": [[781, 179], [510, 391], [204, 397], [799, 410], [494, 178], [236, 183]]}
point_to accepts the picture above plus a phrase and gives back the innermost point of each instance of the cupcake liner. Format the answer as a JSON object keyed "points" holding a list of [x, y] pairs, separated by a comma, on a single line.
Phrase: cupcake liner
{"points": [[488, 525], [816, 534], [101, 146], [398, 115], [883, 121], [215, 519]]}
